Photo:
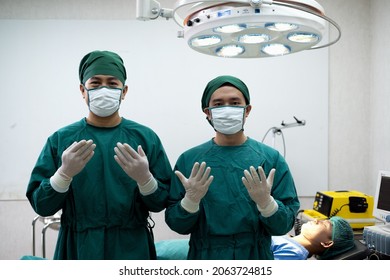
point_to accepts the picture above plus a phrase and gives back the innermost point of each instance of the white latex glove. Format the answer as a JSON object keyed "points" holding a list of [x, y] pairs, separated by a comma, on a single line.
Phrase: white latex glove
{"points": [[75, 157], [196, 186], [135, 164], [259, 188]]}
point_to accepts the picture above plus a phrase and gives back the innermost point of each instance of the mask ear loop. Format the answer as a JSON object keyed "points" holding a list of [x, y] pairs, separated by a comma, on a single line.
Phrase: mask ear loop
{"points": [[244, 116], [209, 121], [120, 97], [85, 88]]}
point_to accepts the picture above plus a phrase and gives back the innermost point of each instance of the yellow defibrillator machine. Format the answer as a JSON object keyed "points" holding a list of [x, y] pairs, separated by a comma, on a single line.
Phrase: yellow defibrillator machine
{"points": [[354, 206]]}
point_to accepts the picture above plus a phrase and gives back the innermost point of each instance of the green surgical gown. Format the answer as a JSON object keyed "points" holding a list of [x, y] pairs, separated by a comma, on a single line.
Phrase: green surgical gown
{"points": [[228, 224], [104, 216]]}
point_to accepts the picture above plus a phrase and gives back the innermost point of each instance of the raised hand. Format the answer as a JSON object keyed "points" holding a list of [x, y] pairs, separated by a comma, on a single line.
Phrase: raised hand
{"points": [[197, 185], [258, 185], [135, 164], [75, 157]]}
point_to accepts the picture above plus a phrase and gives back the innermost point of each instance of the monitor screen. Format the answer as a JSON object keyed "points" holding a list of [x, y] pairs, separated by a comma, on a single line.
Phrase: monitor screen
{"points": [[382, 197]]}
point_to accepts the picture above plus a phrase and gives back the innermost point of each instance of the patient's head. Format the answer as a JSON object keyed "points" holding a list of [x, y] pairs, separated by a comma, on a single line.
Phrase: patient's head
{"points": [[327, 238], [342, 238]]}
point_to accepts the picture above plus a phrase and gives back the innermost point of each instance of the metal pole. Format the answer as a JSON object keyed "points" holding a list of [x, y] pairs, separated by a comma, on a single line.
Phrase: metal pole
{"points": [[33, 234]]}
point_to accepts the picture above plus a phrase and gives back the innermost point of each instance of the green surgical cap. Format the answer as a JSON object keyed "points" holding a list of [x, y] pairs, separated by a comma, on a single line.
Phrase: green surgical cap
{"points": [[220, 81], [342, 236], [102, 63]]}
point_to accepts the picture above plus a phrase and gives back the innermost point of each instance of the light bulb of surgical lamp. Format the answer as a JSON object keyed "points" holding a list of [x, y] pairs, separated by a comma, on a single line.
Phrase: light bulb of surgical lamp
{"points": [[231, 28], [230, 51], [281, 26], [276, 49], [253, 38], [204, 41], [303, 37]]}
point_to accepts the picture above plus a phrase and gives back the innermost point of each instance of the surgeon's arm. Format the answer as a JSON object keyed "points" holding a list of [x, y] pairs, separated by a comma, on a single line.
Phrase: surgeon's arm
{"points": [[285, 195], [47, 192]]}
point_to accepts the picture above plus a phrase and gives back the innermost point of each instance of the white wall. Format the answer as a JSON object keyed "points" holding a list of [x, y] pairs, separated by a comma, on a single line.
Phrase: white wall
{"points": [[349, 100], [359, 135], [358, 100], [379, 131]]}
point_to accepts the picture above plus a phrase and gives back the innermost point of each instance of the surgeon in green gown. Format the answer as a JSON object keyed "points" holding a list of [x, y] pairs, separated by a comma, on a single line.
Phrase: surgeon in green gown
{"points": [[231, 193], [104, 173]]}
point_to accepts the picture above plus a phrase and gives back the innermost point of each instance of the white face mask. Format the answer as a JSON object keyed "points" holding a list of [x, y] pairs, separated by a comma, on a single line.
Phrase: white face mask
{"points": [[228, 119], [104, 101]]}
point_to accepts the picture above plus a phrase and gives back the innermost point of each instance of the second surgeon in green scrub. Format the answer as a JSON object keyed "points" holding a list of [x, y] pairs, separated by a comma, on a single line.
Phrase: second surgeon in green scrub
{"points": [[221, 194], [105, 172]]}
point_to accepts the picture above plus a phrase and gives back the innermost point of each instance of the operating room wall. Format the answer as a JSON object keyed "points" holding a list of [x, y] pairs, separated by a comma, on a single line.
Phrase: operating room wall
{"points": [[357, 143], [359, 134]]}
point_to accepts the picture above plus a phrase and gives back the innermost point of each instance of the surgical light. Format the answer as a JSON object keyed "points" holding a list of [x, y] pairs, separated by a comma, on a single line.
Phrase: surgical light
{"points": [[229, 50], [254, 38], [231, 28], [276, 49], [204, 41], [247, 28], [280, 26], [303, 37]]}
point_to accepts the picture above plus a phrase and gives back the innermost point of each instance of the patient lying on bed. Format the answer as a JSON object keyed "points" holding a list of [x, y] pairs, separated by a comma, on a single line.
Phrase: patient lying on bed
{"points": [[322, 239]]}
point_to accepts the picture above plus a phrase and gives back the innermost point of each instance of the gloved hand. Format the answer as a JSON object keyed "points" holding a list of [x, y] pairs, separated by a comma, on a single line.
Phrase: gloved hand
{"points": [[75, 157], [136, 165], [197, 185], [259, 188]]}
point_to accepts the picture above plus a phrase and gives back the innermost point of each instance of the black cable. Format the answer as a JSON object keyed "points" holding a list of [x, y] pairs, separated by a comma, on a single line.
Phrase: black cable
{"points": [[334, 213]]}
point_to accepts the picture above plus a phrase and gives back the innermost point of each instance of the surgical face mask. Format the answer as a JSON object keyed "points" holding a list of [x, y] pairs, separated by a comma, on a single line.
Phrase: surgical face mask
{"points": [[104, 101], [228, 119]]}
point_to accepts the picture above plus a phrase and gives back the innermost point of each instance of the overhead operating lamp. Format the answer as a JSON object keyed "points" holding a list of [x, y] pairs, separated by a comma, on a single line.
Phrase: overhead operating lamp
{"points": [[246, 28]]}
